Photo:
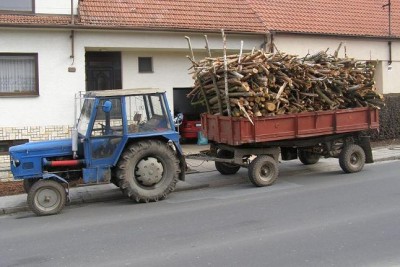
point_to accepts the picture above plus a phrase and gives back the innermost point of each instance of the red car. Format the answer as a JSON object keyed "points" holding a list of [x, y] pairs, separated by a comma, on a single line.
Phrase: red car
{"points": [[189, 129]]}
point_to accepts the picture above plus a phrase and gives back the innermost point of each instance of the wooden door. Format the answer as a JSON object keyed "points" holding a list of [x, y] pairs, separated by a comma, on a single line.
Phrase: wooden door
{"points": [[103, 71]]}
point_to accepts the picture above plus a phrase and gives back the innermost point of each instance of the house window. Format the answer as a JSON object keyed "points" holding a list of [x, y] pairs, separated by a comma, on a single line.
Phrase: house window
{"points": [[17, 6], [6, 144], [145, 64], [19, 74]]}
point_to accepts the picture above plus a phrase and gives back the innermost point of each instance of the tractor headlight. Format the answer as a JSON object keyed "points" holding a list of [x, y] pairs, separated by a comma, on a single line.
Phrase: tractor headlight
{"points": [[15, 162]]}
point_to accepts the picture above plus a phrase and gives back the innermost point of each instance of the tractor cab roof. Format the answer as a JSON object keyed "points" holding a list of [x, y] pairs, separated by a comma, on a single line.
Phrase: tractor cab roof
{"points": [[124, 92]]}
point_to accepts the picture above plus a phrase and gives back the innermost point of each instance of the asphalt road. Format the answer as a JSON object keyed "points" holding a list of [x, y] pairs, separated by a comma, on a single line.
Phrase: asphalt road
{"points": [[314, 217]]}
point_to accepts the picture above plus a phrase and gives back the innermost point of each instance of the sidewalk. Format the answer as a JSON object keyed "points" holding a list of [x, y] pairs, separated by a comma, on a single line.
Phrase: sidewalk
{"points": [[201, 175]]}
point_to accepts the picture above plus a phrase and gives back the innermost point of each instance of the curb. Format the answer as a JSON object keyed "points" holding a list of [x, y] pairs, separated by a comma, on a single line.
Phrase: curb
{"points": [[387, 158], [11, 210]]}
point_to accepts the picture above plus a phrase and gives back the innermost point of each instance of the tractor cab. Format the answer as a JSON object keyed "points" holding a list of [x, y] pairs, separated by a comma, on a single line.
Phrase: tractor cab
{"points": [[109, 119]]}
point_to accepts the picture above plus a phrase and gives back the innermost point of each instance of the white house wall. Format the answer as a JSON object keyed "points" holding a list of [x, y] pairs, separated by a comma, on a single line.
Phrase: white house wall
{"points": [[54, 105], [170, 71], [164, 40]]}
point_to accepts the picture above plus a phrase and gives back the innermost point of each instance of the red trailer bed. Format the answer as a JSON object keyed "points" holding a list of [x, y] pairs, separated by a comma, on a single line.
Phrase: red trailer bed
{"points": [[237, 131]]}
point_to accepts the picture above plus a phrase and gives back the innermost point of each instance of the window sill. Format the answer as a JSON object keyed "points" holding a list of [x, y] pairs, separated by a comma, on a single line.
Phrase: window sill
{"points": [[20, 95]]}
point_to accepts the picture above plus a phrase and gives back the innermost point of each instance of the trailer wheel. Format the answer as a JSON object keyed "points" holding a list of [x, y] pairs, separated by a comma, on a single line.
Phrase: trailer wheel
{"points": [[148, 171], [27, 184], [308, 158], [46, 197], [223, 167], [263, 171], [352, 158]]}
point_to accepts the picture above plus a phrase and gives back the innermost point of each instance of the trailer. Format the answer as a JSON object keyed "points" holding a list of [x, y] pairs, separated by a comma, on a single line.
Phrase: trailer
{"points": [[259, 143]]}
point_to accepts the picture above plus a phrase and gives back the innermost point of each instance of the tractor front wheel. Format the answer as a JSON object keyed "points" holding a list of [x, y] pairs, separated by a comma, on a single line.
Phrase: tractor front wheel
{"points": [[148, 171], [46, 197]]}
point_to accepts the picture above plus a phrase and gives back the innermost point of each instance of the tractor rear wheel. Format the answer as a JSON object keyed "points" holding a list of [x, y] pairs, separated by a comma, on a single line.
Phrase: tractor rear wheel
{"points": [[148, 171], [223, 167], [46, 197]]}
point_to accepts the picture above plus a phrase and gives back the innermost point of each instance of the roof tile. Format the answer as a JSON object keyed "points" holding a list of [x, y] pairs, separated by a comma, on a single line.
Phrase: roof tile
{"points": [[207, 15], [336, 17], [355, 17], [33, 19]]}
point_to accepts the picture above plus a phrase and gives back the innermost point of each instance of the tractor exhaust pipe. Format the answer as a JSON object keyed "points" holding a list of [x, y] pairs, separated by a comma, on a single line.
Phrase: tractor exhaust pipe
{"points": [[74, 137]]}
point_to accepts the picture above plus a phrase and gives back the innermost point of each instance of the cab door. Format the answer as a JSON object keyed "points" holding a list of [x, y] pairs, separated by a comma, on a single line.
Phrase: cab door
{"points": [[105, 137]]}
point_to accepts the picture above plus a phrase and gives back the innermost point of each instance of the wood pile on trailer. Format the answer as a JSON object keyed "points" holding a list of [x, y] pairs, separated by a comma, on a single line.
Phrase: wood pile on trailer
{"points": [[259, 84]]}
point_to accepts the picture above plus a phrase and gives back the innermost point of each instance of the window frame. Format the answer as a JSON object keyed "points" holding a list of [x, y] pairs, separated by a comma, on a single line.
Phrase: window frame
{"points": [[5, 11], [35, 92], [151, 62]]}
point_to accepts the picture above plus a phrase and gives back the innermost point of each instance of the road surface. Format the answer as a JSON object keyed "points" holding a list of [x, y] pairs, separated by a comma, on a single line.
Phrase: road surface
{"points": [[312, 216]]}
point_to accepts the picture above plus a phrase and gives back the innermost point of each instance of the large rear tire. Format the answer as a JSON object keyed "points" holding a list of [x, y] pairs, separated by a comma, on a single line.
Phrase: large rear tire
{"points": [[352, 158], [148, 171], [223, 167], [308, 158], [46, 197], [263, 171]]}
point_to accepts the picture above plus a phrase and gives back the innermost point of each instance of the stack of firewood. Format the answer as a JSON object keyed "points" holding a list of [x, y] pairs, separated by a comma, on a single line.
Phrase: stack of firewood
{"points": [[265, 84]]}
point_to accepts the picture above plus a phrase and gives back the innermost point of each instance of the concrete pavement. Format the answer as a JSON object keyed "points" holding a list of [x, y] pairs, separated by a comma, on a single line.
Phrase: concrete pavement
{"points": [[201, 175]]}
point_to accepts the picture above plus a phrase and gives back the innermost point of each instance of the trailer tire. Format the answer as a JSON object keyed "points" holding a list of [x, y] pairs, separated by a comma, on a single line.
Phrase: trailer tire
{"points": [[46, 197], [148, 171], [352, 158], [263, 171], [223, 167], [308, 158], [27, 184]]}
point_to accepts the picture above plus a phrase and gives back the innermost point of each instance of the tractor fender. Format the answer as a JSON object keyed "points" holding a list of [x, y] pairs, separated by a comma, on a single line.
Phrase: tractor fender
{"points": [[55, 177]]}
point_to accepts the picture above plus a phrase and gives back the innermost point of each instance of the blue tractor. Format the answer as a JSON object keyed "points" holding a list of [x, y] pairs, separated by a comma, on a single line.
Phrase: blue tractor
{"points": [[126, 137]]}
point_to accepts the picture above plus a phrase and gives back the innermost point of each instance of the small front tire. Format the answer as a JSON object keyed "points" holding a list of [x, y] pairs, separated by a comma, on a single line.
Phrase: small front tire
{"points": [[46, 197]]}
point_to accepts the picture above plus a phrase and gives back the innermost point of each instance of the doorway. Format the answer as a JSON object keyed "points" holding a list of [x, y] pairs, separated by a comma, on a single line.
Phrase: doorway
{"points": [[103, 71]]}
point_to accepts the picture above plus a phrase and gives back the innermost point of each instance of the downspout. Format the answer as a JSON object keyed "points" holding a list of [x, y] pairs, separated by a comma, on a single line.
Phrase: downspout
{"points": [[72, 36], [74, 131], [72, 12], [389, 5], [271, 42], [390, 56]]}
